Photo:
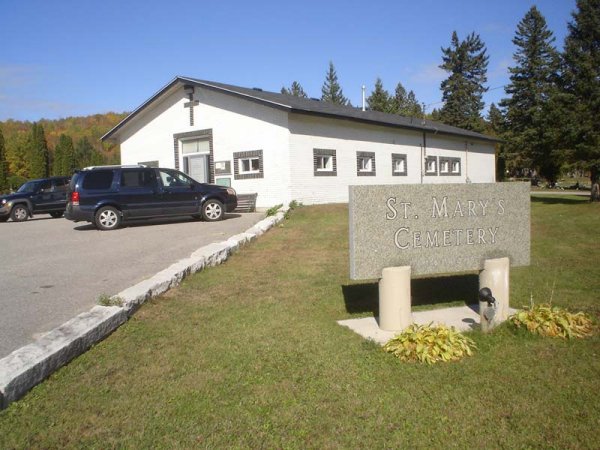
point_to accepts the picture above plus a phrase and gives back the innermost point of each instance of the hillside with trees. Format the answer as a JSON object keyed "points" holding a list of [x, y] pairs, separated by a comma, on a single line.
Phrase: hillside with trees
{"points": [[54, 147]]}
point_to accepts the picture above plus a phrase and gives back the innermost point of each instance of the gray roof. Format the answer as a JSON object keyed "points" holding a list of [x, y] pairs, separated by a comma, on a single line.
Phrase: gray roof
{"points": [[299, 105]]}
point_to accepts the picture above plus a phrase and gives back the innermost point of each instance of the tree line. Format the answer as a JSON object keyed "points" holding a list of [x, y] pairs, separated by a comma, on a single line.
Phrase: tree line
{"points": [[548, 120], [54, 147]]}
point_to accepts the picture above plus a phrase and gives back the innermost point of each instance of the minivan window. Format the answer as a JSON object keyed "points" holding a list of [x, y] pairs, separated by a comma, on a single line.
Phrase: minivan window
{"points": [[137, 178], [172, 178], [98, 179]]}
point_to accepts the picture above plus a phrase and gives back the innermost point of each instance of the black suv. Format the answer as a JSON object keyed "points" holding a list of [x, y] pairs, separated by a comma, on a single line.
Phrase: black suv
{"points": [[107, 195], [42, 196]]}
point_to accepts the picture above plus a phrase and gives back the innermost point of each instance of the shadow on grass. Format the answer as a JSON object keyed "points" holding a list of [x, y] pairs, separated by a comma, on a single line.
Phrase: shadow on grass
{"points": [[558, 199], [360, 298]]}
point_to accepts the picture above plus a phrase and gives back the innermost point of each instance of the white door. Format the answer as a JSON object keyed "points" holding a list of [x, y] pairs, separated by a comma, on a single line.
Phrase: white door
{"points": [[196, 167]]}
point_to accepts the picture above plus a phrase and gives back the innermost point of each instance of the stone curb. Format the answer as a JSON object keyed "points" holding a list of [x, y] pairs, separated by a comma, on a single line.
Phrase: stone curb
{"points": [[29, 365]]}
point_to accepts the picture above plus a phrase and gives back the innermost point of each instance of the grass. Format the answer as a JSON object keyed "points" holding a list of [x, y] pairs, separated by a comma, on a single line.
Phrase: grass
{"points": [[248, 355]]}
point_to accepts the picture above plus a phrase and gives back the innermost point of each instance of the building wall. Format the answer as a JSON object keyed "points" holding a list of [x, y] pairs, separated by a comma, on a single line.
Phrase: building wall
{"points": [[348, 137], [237, 125], [287, 141]]}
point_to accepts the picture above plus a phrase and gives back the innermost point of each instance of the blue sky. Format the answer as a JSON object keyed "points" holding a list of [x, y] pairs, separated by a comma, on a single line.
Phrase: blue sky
{"points": [[63, 58]]}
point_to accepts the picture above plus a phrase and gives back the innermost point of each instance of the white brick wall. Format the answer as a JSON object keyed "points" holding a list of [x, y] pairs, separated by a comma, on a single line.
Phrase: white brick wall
{"points": [[348, 137], [287, 141]]}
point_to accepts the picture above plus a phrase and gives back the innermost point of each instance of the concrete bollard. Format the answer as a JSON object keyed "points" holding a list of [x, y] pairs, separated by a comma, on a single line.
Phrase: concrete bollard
{"points": [[394, 298], [495, 276]]}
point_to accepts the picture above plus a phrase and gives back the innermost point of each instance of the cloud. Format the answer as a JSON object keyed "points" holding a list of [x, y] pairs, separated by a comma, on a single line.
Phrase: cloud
{"points": [[428, 74], [17, 76]]}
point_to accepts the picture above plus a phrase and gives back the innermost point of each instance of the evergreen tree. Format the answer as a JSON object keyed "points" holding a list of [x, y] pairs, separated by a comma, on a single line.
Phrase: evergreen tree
{"points": [[495, 127], [466, 62], [3, 165], [581, 84], [37, 154], [331, 90], [528, 119], [295, 90], [64, 156], [83, 152], [379, 100], [406, 104]]}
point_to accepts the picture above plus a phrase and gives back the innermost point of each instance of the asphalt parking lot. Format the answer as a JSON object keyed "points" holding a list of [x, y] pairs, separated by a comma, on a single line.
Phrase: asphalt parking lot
{"points": [[53, 269]]}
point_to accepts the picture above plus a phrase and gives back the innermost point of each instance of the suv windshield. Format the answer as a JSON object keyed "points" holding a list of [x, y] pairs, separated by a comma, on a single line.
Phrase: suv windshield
{"points": [[29, 187]]}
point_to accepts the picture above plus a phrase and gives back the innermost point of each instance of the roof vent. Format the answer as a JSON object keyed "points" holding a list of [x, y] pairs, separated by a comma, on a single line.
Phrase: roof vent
{"points": [[257, 89]]}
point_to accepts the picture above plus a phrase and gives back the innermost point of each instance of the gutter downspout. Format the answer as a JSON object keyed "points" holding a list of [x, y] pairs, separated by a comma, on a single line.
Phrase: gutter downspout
{"points": [[423, 153], [467, 179]]}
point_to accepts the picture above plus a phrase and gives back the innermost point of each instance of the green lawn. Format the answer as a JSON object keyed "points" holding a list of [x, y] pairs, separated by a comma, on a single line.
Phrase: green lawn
{"points": [[248, 355]]}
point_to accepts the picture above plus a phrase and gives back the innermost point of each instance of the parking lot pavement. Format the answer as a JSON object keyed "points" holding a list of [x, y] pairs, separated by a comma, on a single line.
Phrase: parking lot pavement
{"points": [[53, 269]]}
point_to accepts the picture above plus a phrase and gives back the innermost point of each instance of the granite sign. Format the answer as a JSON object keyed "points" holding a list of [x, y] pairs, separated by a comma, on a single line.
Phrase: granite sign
{"points": [[437, 228]]}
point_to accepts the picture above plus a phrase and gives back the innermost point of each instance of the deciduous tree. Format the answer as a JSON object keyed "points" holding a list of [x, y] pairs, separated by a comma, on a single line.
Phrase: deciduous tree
{"points": [[3, 164]]}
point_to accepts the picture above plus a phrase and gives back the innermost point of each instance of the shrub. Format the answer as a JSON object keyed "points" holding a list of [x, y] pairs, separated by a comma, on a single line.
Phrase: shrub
{"points": [[107, 300], [430, 344], [546, 320], [273, 210]]}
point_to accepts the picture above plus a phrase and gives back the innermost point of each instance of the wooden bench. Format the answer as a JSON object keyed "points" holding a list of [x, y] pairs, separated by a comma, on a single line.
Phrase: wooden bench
{"points": [[246, 203]]}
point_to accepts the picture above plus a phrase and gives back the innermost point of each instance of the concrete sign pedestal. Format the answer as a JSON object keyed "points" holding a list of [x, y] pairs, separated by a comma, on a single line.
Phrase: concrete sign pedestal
{"points": [[394, 299], [495, 276]]}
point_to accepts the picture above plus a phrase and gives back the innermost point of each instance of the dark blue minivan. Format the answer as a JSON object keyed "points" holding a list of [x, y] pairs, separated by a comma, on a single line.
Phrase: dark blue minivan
{"points": [[108, 195]]}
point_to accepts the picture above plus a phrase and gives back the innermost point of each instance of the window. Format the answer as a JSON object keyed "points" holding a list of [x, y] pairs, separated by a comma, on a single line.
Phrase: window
{"points": [[248, 164], [449, 166], [98, 179], [324, 162], [172, 178], [431, 165], [365, 163], [195, 146], [399, 164], [137, 178]]}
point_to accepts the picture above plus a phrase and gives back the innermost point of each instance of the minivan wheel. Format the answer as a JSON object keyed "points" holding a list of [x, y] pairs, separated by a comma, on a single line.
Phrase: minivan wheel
{"points": [[107, 218], [19, 213], [212, 210]]}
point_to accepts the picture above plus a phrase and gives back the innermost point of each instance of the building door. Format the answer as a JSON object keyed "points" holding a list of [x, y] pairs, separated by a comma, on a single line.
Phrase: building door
{"points": [[196, 166], [195, 158]]}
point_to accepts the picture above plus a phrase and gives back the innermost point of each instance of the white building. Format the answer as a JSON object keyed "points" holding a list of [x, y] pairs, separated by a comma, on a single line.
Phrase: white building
{"points": [[287, 148]]}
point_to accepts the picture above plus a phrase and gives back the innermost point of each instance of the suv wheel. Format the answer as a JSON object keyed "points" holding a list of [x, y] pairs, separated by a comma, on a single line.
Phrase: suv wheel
{"points": [[19, 213], [56, 214], [107, 218], [212, 210]]}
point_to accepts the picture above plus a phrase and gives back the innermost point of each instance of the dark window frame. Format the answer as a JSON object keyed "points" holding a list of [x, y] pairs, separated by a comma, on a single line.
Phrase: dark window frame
{"points": [[237, 156], [450, 160], [399, 157], [435, 160], [321, 152], [360, 156]]}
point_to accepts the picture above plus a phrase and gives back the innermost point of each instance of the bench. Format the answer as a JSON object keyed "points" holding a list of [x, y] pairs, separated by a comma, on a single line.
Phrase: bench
{"points": [[246, 203]]}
